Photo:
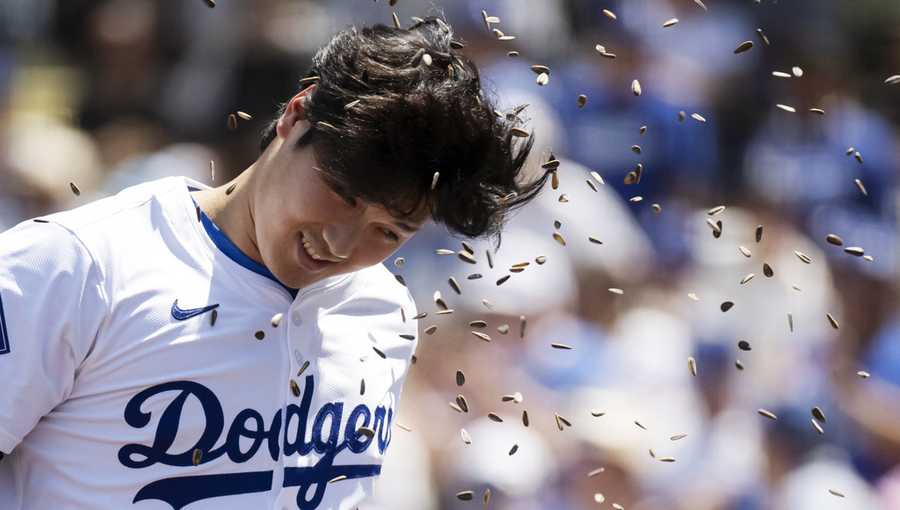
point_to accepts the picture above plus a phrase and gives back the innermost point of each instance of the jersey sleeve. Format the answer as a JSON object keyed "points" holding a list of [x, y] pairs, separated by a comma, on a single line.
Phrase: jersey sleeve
{"points": [[52, 304]]}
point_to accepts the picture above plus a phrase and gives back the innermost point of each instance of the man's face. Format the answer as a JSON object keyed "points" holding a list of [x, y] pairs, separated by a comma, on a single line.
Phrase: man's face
{"points": [[306, 231]]}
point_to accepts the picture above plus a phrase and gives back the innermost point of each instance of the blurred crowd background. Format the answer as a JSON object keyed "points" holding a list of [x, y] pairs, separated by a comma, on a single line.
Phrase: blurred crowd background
{"points": [[111, 93]]}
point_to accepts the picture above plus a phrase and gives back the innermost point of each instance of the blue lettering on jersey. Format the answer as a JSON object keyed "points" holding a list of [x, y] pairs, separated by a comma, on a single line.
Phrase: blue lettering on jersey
{"points": [[4, 337], [327, 437]]}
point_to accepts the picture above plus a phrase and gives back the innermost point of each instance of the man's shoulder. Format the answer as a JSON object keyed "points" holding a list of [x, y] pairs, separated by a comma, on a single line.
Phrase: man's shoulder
{"points": [[377, 282]]}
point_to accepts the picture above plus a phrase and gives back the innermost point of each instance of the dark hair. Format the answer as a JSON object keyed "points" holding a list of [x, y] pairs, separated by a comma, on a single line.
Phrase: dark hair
{"points": [[393, 106]]}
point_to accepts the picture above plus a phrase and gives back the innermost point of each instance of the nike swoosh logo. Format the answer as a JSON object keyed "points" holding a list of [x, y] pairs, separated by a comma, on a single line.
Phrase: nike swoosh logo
{"points": [[180, 314]]}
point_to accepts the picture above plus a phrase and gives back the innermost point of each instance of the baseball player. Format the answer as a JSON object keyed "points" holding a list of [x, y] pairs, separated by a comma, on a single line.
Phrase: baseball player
{"points": [[242, 347]]}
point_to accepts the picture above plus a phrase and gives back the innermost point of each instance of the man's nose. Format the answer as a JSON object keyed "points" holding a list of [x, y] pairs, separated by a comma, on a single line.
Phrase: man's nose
{"points": [[342, 237]]}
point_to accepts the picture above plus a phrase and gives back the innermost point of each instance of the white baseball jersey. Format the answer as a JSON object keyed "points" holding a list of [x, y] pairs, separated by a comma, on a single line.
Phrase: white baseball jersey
{"points": [[142, 368]]}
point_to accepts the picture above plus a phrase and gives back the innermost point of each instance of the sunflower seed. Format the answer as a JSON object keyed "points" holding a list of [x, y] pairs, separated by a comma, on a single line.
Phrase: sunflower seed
{"points": [[639, 424], [670, 22], [745, 251], [609, 14], [744, 46], [503, 329], [836, 493], [786, 108], [700, 4], [379, 352], [738, 365], [259, 335], [744, 345], [74, 188], [617, 506], [212, 317], [803, 257], [747, 278], [559, 238], [599, 497], [692, 366], [698, 117], [462, 403], [863, 374], [525, 417], [464, 435], [726, 305], [715, 210], [560, 421], [582, 100], [597, 177], [303, 368], [816, 426], [797, 71], [681, 116], [790, 318], [892, 80], [667, 459], [762, 36], [443, 251], [431, 329], [466, 257], [244, 115], [540, 259], [230, 188], [557, 345], [554, 180], [521, 133], [597, 414], [407, 337], [539, 69], [759, 233], [855, 250], [512, 53], [768, 414], [514, 449], [494, 417], [502, 280], [677, 437], [197, 455], [780, 74], [656, 208], [474, 276], [232, 121], [767, 270], [396, 20], [481, 335], [465, 495], [832, 321], [210, 3], [834, 239], [454, 285], [817, 111], [366, 432], [636, 87], [522, 323], [693, 296], [295, 388], [543, 79], [858, 156], [276, 319], [818, 414], [636, 199], [861, 186]]}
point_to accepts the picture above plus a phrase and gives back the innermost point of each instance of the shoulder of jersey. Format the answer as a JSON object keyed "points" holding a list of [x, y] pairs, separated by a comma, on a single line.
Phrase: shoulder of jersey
{"points": [[105, 222], [379, 283]]}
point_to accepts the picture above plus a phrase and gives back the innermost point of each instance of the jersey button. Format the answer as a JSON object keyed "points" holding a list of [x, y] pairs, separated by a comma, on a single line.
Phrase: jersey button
{"points": [[295, 318]]}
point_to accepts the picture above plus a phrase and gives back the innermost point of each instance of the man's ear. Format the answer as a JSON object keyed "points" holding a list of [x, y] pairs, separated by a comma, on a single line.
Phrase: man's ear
{"points": [[294, 111]]}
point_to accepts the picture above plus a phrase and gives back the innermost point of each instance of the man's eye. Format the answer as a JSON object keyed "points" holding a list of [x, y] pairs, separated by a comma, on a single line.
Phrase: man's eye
{"points": [[390, 235]]}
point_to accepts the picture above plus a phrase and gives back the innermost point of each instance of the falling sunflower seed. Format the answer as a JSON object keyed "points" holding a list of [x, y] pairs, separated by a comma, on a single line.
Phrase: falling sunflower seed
{"points": [[197, 456], [582, 100], [636, 87], [232, 121], [677, 437], [892, 80], [726, 305], [834, 239], [431, 329], [803, 257], [692, 366], [557, 345], [74, 188], [465, 495], [482, 336], [766, 413], [609, 14], [832, 321], [670, 22], [836, 493], [698, 117], [744, 345], [295, 388], [855, 251], [495, 417], [863, 374], [744, 46], [786, 108], [797, 71], [276, 319], [747, 278], [745, 251]]}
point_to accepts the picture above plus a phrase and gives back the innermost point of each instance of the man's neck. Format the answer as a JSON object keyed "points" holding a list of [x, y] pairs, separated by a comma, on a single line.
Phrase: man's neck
{"points": [[232, 211]]}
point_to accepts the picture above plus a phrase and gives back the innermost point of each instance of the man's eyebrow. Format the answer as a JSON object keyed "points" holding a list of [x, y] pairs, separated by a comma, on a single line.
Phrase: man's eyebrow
{"points": [[406, 227]]}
